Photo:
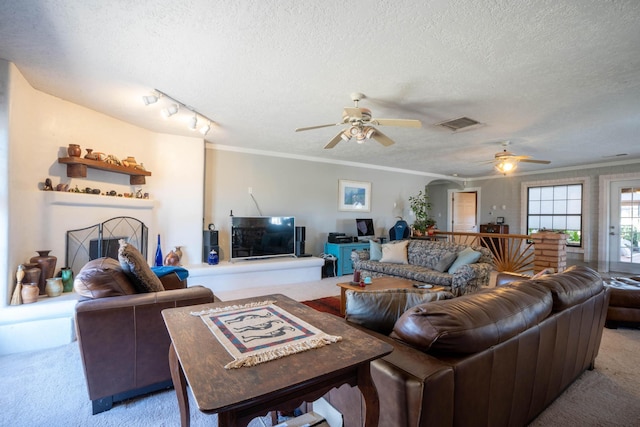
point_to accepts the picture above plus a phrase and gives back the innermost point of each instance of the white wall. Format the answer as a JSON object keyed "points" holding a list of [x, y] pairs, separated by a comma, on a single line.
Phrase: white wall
{"points": [[4, 179], [40, 129], [305, 189]]}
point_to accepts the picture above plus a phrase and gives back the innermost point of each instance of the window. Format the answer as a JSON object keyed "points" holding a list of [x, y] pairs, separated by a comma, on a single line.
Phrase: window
{"points": [[558, 208]]}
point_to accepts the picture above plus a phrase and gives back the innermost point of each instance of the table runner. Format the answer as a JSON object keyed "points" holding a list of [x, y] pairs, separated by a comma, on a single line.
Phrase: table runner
{"points": [[258, 332]]}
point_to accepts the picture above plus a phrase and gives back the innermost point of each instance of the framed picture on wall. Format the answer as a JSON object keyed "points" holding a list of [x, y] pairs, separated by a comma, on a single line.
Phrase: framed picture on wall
{"points": [[354, 196], [500, 220]]}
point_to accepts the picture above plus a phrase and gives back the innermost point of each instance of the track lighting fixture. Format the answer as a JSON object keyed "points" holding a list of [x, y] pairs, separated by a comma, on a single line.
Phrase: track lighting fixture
{"points": [[193, 122], [204, 130], [150, 99], [174, 107], [170, 110]]}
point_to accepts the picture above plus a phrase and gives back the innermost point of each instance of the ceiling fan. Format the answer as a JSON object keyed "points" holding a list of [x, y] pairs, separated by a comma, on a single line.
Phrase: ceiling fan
{"points": [[506, 161], [361, 125]]}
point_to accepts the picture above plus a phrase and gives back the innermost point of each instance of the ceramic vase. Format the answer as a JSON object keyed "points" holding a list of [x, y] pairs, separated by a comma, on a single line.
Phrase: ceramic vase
{"points": [[54, 287], [172, 259], [66, 274], [29, 292], [74, 150], [47, 265], [31, 272]]}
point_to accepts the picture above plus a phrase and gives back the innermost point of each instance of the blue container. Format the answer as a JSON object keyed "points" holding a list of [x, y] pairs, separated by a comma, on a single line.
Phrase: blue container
{"points": [[158, 260], [213, 258]]}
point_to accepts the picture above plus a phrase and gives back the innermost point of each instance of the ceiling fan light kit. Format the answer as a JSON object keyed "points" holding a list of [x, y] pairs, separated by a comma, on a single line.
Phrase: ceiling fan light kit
{"points": [[506, 162], [173, 108], [360, 123]]}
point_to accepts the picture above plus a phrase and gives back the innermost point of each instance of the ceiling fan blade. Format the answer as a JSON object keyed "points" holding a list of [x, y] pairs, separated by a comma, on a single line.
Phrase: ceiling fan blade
{"points": [[397, 122], [318, 127], [382, 138], [334, 141], [542, 162]]}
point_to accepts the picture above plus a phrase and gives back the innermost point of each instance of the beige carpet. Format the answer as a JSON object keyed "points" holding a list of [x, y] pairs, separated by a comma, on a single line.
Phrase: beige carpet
{"points": [[607, 396]]}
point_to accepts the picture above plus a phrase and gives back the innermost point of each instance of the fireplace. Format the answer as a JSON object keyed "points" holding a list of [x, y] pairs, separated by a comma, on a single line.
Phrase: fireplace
{"points": [[102, 240]]}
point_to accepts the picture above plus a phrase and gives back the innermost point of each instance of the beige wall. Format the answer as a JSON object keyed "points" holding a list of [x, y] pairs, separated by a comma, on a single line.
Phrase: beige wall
{"points": [[41, 127]]}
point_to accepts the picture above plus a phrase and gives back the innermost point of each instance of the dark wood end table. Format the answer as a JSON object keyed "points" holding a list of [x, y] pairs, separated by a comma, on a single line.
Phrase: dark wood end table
{"points": [[197, 358]]}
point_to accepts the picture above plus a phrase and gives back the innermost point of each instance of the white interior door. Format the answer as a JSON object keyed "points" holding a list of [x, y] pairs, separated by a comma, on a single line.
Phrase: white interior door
{"points": [[624, 227], [464, 211]]}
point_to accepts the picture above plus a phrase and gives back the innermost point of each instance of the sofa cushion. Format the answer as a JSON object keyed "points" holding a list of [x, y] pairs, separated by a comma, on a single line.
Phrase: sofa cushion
{"points": [[102, 277], [395, 253], [135, 266], [466, 256], [575, 285], [378, 310], [472, 323]]}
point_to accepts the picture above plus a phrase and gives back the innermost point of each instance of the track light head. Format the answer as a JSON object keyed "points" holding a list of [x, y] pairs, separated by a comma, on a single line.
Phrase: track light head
{"points": [[150, 99], [193, 122], [204, 130], [170, 111]]}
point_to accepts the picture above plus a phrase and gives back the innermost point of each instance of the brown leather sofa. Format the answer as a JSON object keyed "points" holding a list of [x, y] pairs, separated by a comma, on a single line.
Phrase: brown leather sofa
{"points": [[498, 357], [123, 340]]}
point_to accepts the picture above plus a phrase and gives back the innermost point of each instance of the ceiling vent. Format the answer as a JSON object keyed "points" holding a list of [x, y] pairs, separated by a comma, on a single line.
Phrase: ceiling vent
{"points": [[459, 123]]}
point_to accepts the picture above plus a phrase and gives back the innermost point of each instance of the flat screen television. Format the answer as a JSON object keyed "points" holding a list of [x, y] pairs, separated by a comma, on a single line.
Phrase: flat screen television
{"points": [[365, 228], [262, 237]]}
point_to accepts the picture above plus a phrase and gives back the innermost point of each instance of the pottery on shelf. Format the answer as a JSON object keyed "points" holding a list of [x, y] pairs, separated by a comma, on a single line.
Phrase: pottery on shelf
{"points": [[54, 287], [74, 150], [47, 265], [32, 272], [29, 293], [90, 155], [172, 258], [66, 274]]}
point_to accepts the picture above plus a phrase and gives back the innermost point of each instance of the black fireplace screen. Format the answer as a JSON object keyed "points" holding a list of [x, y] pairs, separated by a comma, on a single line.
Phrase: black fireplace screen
{"points": [[101, 240]]}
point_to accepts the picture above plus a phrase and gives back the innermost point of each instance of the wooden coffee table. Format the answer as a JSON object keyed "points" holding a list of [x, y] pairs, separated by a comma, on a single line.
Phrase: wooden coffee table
{"points": [[197, 358], [379, 284]]}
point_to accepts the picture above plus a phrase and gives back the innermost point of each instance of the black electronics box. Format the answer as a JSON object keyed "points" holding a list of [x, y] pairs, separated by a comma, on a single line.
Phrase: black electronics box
{"points": [[333, 237]]}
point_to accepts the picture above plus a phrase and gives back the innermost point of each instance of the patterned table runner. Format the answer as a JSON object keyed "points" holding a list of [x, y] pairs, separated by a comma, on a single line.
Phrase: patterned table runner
{"points": [[259, 332]]}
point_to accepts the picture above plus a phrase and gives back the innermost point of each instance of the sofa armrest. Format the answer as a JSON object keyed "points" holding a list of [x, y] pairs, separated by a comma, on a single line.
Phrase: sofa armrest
{"points": [[470, 278], [414, 388], [172, 281], [123, 340], [360, 255]]}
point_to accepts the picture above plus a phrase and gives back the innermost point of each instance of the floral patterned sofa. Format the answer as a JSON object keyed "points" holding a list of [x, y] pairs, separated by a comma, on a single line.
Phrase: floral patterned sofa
{"points": [[429, 261]]}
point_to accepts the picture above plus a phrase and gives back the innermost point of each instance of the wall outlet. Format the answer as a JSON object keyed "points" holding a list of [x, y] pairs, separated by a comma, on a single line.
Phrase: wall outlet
{"points": [[250, 190]]}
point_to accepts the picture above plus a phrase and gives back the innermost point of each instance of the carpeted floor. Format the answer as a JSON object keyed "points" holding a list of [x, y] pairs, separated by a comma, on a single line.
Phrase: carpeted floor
{"points": [[326, 305]]}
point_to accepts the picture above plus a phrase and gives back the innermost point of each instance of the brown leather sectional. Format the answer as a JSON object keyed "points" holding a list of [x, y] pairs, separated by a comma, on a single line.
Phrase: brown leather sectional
{"points": [[123, 341], [498, 357]]}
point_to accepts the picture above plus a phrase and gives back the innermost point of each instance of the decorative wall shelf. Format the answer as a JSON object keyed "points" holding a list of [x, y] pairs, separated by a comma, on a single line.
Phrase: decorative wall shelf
{"points": [[69, 198], [77, 168]]}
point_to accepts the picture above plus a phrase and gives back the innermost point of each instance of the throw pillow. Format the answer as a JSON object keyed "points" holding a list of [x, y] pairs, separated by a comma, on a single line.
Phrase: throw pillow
{"points": [[445, 262], [135, 266], [467, 256], [395, 253], [375, 251], [379, 310]]}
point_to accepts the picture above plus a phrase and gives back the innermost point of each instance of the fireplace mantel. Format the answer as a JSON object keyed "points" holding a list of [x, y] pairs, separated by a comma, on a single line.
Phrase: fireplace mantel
{"points": [[94, 200]]}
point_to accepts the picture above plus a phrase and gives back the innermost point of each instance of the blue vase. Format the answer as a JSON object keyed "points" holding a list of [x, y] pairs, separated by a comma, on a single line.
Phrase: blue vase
{"points": [[158, 261], [213, 257]]}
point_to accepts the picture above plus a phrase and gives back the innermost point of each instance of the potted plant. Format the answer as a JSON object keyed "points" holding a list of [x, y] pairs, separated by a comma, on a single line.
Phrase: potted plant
{"points": [[421, 207]]}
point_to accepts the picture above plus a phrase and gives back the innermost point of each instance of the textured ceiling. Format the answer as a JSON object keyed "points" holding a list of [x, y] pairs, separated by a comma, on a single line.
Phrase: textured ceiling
{"points": [[560, 79]]}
